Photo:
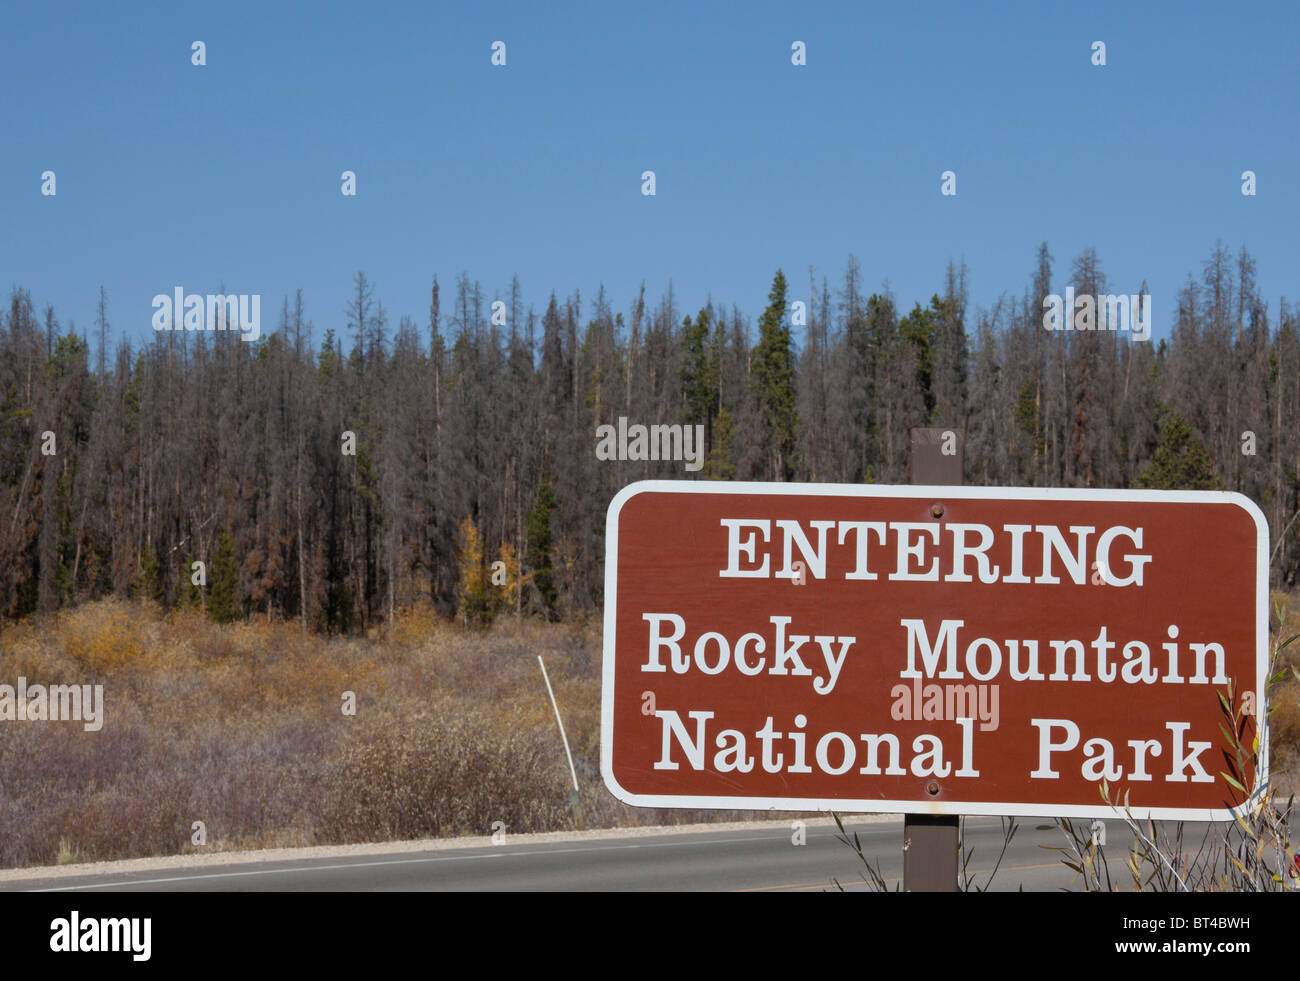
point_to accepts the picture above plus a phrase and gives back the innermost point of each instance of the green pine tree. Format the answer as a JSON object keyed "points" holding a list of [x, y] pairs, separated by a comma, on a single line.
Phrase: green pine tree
{"points": [[699, 372], [190, 595], [1180, 461], [150, 585], [327, 360], [719, 465], [539, 545], [773, 367], [1028, 424], [921, 329], [224, 604]]}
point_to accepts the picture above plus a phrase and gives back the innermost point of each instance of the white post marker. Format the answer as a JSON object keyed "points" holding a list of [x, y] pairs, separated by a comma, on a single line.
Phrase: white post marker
{"points": [[573, 773]]}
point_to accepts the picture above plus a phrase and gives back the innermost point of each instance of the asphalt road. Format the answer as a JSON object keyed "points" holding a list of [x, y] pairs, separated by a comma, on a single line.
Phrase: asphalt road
{"points": [[752, 858]]}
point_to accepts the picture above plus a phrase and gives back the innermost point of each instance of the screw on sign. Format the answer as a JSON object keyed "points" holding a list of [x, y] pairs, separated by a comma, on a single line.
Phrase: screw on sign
{"points": [[952, 650]]}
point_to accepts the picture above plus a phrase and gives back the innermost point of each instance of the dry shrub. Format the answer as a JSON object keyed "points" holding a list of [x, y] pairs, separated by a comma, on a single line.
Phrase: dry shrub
{"points": [[105, 635], [450, 772], [412, 628], [240, 727]]}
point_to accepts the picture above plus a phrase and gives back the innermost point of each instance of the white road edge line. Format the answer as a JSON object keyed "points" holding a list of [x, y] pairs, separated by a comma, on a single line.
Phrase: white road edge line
{"points": [[401, 861]]}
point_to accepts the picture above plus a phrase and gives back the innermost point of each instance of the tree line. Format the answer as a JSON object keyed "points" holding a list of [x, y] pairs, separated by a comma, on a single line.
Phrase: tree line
{"points": [[471, 480]]}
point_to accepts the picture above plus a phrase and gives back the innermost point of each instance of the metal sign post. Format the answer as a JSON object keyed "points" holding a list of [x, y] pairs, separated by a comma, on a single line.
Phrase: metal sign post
{"points": [[930, 840]]}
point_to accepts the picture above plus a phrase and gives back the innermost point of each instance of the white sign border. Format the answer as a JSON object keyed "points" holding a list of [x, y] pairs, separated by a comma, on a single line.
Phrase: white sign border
{"points": [[937, 492]]}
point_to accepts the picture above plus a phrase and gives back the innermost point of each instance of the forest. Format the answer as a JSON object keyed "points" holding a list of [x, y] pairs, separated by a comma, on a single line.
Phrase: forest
{"points": [[333, 477]]}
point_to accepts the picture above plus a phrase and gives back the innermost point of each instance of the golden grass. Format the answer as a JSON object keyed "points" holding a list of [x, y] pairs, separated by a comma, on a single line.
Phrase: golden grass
{"points": [[241, 727]]}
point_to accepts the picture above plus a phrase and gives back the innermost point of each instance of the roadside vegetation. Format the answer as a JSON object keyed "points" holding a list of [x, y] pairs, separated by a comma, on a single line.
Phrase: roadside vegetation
{"points": [[241, 726]]}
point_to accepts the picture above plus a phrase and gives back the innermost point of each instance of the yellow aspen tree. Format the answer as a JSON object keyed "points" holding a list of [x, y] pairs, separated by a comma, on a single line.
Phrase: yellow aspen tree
{"points": [[471, 584]]}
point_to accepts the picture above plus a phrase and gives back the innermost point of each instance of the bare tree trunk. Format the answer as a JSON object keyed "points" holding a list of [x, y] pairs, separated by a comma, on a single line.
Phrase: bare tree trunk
{"points": [[302, 564]]}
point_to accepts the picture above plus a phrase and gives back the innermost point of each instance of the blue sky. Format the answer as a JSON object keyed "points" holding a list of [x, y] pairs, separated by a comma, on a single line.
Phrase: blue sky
{"points": [[175, 175]]}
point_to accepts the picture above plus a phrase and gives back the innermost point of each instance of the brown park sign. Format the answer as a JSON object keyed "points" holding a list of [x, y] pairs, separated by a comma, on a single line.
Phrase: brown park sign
{"points": [[938, 650]]}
